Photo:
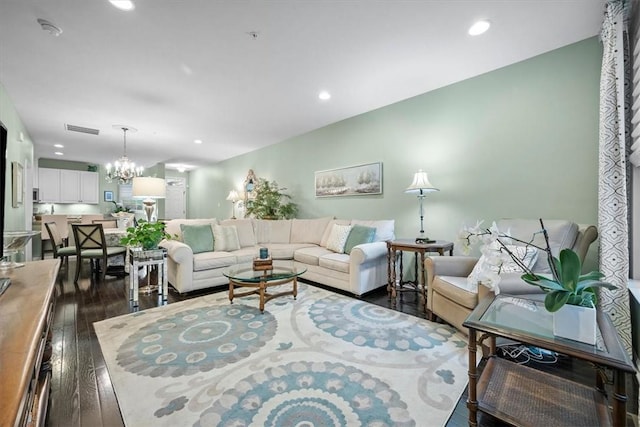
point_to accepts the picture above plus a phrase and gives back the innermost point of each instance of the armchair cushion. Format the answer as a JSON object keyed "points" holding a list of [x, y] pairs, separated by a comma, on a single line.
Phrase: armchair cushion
{"points": [[486, 266]]}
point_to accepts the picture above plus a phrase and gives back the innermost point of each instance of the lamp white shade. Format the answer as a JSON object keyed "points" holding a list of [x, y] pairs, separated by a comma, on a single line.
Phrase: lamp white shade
{"points": [[145, 187], [233, 196], [420, 183]]}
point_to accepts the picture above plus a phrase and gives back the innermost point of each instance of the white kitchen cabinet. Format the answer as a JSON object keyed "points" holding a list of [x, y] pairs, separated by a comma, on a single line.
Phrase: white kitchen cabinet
{"points": [[49, 182], [68, 186], [78, 187]]}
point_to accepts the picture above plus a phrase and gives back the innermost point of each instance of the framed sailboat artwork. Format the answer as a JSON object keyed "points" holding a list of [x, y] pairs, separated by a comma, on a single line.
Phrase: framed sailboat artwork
{"points": [[360, 180]]}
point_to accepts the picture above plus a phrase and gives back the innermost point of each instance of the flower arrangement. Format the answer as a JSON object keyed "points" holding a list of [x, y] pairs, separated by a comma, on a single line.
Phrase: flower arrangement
{"points": [[564, 285]]}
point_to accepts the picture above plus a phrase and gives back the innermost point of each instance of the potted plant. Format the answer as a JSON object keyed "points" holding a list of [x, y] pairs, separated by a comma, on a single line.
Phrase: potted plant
{"points": [[570, 295], [146, 235], [270, 202]]}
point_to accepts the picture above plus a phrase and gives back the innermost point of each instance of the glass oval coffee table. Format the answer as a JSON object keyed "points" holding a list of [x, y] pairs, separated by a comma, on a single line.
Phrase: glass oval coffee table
{"points": [[243, 275]]}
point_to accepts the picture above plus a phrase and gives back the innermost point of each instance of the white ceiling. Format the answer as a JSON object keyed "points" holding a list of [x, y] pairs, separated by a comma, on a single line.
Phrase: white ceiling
{"points": [[179, 70]]}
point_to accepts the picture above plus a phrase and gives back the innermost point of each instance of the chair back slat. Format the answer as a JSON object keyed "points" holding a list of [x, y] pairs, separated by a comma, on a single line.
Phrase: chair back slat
{"points": [[89, 236], [54, 234]]}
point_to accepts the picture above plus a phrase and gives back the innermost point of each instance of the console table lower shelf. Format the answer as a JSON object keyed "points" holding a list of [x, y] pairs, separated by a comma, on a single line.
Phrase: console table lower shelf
{"points": [[528, 397]]}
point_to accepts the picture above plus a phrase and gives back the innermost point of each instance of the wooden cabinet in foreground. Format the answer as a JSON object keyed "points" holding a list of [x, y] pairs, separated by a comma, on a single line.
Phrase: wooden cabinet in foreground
{"points": [[26, 318]]}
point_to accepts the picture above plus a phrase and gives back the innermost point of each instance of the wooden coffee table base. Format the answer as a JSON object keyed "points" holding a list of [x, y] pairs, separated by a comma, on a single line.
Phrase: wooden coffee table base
{"points": [[260, 288]]}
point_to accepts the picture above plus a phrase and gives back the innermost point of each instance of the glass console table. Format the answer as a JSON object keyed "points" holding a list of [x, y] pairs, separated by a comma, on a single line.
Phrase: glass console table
{"points": [[146, 258], [522, 395]]}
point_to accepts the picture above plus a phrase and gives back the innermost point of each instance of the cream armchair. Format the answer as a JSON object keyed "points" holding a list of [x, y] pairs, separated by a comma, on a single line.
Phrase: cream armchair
{"points": [[450, 297]]}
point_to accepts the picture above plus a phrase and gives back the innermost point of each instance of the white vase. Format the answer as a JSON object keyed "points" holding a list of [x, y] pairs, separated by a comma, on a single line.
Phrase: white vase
{"points": [[575, 323]]}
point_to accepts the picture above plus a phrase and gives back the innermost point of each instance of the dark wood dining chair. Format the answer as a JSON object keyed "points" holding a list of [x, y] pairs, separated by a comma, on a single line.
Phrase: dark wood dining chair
{"points": [[59, 245], [91, 244]]}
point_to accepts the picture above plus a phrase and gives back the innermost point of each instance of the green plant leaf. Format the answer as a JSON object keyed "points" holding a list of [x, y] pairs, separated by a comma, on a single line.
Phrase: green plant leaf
{"points": [[571, 268], [555, 300], [543, 282]]}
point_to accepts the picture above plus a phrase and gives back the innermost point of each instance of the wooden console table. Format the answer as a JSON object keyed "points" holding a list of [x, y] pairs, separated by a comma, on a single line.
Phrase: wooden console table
{"points": [[522, 395], [26, 316]]}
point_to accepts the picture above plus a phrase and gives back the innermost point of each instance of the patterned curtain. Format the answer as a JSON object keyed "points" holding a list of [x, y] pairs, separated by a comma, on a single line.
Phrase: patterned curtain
{"points": [[614, 172]]}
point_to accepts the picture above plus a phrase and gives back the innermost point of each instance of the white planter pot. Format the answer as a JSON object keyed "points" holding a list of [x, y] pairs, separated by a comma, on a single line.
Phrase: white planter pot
{"points": [[575, 323]]}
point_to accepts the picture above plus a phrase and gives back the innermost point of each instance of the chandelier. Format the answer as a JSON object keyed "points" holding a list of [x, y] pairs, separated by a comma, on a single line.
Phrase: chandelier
{"points": [[123, 170]]}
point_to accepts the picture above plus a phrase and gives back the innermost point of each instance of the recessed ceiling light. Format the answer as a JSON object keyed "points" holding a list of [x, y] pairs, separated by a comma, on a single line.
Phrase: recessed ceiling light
{"points": [[123, 4], [479, 28], [324, 95], [197, 141], [181, 169], [58, 145], [59, 153]]}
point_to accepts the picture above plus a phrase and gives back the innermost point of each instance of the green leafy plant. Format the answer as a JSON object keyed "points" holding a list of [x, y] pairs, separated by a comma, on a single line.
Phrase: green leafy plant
{"points": [[270, 202], [567, 285], [119, 208], [146, 234]]}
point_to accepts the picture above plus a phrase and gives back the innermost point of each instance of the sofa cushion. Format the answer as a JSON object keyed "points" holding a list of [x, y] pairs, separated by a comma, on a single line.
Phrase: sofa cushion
{"points": [[198, 237], [208, 260], [327, 231], [284, 250], [246, 236], [173, 226], [336, 262], [338, 238], [310, 255], [308, 230], [225, 238], [358, 235], [384, 228], [272, 231], [456, 289]]}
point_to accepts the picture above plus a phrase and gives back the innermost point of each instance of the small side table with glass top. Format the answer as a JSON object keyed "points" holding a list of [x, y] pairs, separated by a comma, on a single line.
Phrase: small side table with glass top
{"points": [[139, 257], [522, 395], [395, 249]]}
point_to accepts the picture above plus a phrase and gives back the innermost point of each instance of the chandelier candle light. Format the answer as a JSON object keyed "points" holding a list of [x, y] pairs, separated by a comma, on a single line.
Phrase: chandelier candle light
{"points": [[420, 186], [123, 169], [149, 189]]}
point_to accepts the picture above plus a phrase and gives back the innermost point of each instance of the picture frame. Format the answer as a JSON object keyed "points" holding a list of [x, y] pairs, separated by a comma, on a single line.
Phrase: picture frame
{"points": [[359, 180], [17, 185], [108, 196]]}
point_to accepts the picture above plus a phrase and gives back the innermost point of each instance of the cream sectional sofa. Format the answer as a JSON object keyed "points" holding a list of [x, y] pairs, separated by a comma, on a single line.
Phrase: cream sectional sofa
{"points": [[304, 241]]}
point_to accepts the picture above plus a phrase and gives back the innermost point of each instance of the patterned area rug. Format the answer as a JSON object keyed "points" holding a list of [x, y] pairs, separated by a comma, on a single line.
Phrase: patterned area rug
{"points": [[322, 360]]}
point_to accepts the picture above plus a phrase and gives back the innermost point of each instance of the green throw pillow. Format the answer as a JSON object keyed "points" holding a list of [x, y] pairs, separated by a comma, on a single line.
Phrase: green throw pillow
{"points": [[198, 237], [359, 234]]}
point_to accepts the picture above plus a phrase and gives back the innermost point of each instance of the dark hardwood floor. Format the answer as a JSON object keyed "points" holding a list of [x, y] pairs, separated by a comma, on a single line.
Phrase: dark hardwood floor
{"points": [[81, 390]]}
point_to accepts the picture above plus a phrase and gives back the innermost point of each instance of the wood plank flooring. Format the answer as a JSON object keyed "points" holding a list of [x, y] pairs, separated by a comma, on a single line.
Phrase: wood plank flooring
{"points": [[81, 390]]}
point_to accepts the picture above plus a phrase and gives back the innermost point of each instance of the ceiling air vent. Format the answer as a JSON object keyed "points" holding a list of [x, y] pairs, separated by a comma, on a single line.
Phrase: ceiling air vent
{"points": [[81, 129]]}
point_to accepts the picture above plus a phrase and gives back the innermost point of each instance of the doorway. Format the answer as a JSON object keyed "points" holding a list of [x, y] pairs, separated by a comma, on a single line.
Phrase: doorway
{"points": [[175, 206]]}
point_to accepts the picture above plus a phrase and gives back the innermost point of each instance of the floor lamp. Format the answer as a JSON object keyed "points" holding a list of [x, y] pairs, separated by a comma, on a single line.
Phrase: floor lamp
{"points": [[149, 189], [420, 186]]}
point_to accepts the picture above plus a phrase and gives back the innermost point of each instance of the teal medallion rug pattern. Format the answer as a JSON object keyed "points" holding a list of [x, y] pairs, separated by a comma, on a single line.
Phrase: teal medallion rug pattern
{"points": [[322, 360]]}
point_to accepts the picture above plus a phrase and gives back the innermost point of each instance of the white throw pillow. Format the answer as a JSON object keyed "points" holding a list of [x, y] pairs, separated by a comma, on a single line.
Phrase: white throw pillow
{"points": [[338, 237], [225, 238], [493, 262]]}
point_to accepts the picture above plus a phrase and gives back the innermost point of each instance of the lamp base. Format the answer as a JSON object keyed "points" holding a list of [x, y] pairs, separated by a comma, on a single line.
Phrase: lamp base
{"points": [[149, 206], [422, 239]]}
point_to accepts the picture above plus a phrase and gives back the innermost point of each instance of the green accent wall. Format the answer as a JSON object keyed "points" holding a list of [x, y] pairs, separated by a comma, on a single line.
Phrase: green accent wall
{"points": [[520, 141], [17, 151]]}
